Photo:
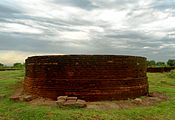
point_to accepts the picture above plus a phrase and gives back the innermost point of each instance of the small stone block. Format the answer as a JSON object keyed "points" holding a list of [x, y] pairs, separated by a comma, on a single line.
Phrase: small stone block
{"points": [[2, 96], [28, 98], [70, 102], [71, 98], [62, 97], [60, 102], [16, 98], [137, 101], [81, 103]]}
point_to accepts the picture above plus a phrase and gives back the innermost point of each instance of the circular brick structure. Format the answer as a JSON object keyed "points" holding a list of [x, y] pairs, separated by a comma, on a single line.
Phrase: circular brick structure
{"points": [[88, 77]]}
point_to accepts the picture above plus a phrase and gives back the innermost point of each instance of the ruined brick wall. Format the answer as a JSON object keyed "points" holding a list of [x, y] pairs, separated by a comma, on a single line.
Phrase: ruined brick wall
{"points": [[9, 69], [89, 77], [159, 69]]}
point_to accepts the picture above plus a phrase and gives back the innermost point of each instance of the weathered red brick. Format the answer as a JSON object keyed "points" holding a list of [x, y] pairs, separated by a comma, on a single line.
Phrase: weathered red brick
{"points": [[88, 77]]}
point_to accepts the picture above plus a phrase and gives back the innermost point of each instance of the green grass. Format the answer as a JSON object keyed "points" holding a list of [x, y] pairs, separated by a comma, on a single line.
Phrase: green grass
{"points": [[162, 82], [10, 110], [10, 78]]}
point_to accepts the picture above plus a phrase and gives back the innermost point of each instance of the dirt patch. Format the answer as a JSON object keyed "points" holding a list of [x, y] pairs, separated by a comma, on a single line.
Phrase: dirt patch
{"points": [[43, 101], [10, 86], [19, 85], [18, 92], [152, 99]]}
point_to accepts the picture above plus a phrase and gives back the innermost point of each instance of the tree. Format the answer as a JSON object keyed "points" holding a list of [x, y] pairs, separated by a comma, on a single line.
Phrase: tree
{"points": [[17, 65], [151, 63], [160, 63], [171, 62], [1, 65]]}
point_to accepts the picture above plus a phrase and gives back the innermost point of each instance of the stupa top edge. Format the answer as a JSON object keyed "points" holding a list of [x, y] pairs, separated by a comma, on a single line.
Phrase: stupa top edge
{"points": [[86, 55]]}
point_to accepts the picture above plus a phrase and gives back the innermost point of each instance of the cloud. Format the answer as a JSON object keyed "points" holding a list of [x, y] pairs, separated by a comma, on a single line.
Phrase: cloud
{"points": [[163, 5], [84, 4], [10, 57], [6, 9], [19, 28], [74, 35], [135, 27]]}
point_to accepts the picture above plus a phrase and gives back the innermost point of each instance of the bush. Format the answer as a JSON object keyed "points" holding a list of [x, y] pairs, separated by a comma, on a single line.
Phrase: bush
{"points": [[171, 74], [18, 65], [160, 63], [1, 65], [171, 62], [150, 63]]}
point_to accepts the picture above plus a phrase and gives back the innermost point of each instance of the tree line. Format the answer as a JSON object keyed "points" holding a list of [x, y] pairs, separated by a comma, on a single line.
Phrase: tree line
{"points": [[170, 62], [15, 65]]}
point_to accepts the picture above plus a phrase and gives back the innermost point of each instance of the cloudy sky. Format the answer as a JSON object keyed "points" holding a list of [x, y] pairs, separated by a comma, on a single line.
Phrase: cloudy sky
{"points": [[127, 27]]}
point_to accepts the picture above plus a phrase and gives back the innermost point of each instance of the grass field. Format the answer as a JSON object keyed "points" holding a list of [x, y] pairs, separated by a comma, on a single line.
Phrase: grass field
{"points": [[10, 110]]}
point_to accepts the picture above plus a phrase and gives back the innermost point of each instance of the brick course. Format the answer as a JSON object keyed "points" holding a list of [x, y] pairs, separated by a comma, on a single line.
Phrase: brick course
{"points": [[88, 77]]}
